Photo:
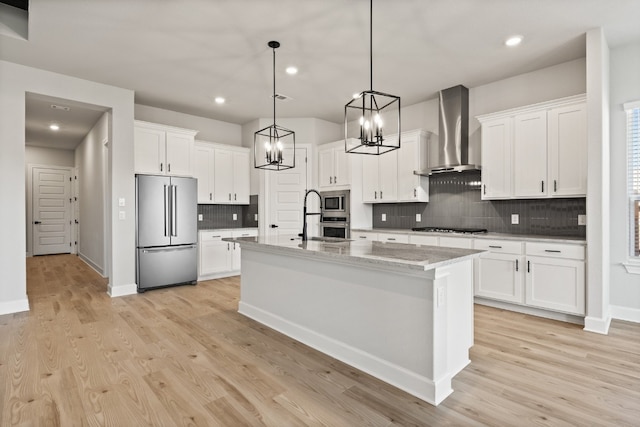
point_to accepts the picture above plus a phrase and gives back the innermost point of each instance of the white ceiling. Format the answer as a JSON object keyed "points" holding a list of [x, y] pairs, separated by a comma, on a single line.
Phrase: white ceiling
{"points": [[180, 54]]}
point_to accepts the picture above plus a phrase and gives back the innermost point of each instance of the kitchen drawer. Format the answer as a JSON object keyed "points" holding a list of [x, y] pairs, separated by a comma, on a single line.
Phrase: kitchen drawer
{"points": [[456, 242], [499, 246], [364, 235], [424, 240], [213, 235], [555, 250], [393, 238], [245, 232]]}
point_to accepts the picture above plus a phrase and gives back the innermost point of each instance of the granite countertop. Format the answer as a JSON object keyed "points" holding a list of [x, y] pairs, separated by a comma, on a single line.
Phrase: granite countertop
{"points": [[500, 236], [367, 253]]}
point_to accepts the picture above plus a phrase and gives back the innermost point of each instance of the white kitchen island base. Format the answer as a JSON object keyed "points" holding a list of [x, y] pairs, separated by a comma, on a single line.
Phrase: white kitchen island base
{"points": [[410, 328]]}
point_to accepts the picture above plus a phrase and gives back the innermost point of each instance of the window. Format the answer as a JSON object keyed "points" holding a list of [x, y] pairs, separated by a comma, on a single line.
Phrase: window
{"points": [[633, 175]]}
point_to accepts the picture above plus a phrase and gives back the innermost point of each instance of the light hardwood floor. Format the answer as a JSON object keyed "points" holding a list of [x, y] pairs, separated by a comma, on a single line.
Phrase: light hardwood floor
{"points": [[184, 356]]}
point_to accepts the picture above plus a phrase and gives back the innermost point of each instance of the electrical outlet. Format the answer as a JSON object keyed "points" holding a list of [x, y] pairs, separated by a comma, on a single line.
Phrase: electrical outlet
{"points": [[200, 217], [418, 218], [235, 217], [384, 217], [515, 219], [582, 219], [121, 202], [122, 215], [441, 296]]}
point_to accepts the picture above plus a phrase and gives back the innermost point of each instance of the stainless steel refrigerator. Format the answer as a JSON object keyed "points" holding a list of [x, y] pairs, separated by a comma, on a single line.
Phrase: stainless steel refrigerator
{"points": [[166, 231]]}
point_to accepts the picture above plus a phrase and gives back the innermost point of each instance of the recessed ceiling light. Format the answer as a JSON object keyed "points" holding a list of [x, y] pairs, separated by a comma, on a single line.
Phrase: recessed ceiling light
{"points": [[54, 126], [219, 100], [292, 70], [513, 41]]}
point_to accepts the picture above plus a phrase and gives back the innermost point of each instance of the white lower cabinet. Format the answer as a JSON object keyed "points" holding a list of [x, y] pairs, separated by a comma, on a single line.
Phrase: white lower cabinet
{"points": [[542, 275], [393, 238], [364, 235], [217, 258], [556, 281], [425, 239], [499, 273]]}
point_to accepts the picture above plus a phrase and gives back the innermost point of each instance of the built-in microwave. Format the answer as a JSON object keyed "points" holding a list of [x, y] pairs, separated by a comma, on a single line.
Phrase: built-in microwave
{"points": [[335, 202]]}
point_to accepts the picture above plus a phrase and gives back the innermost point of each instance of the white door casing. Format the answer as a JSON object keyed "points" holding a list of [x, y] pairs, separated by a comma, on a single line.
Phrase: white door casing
{"points": [[51, 206]]}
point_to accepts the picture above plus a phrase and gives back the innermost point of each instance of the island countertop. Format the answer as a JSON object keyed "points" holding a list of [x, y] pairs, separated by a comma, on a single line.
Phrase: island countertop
{"points": [[367, 253]]}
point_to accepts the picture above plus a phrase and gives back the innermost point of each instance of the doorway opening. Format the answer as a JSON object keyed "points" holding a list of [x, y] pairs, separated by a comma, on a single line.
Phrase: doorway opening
{"points": [[67, 174]]}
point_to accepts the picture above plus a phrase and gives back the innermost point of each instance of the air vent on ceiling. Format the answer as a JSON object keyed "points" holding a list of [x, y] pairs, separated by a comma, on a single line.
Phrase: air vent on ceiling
{"points": [[281, 97], [60, 107]]}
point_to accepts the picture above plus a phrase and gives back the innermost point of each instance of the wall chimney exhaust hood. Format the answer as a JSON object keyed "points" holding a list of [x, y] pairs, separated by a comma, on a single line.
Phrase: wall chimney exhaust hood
{"points": [[453, 138]]}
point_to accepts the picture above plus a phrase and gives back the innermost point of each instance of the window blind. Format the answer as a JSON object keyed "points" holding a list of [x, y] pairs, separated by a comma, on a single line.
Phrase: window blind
{"points": [[633, 174]]}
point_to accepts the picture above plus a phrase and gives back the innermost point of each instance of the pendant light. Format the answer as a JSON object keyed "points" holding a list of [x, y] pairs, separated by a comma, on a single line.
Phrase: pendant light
{"points": [[270, 143], [372, 118]]}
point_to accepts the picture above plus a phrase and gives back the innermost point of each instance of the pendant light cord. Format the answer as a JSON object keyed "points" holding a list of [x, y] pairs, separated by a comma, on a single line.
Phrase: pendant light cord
{"points": [[274, 87], [371, 43]]}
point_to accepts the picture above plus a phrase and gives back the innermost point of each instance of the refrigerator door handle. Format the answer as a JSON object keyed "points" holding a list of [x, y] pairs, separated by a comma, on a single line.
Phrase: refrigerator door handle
{"points": [[174, 211], [166, 211]]}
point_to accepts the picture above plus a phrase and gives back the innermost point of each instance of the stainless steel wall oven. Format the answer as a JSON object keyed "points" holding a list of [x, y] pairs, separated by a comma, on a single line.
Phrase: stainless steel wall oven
{"points": [[335, 219]]}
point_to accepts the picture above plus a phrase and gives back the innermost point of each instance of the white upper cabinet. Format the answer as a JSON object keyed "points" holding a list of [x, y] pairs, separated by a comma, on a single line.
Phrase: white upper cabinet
{"points": [[334, 171], [222, 172], [567, 148], [389, 177], [413, 155], [536, 151], [496, 159], [530, 155], [163, 150]]}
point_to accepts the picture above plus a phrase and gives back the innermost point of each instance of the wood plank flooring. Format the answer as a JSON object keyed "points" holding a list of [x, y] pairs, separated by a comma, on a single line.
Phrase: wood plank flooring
{"points": [[183, 356]]}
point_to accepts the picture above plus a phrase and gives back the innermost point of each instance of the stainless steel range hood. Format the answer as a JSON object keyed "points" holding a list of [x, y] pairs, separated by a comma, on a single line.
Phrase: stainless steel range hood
{"points": [[453, 138]]}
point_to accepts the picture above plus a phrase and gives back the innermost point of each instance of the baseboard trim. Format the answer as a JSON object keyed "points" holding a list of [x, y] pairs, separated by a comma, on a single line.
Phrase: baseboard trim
{"points": [[92, 264], [123, 290], [598, 325], [625, 313], [11, 307]]}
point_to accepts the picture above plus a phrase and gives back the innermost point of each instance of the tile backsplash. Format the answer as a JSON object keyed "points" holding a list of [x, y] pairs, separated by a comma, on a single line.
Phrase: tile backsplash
{"points": [[454, 201], [221, 216]]}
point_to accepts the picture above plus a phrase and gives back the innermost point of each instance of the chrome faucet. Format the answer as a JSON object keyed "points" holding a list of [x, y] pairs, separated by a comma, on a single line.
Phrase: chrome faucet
{"points": [[305, 213]]}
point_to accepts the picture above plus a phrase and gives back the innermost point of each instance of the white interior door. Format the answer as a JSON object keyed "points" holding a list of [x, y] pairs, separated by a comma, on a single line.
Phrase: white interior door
{"points": [[286, 196], [51, 211]]}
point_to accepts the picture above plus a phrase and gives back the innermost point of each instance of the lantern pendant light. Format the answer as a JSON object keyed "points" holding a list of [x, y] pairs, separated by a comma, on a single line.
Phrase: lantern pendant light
{"points": [[372, 118], [270, 143]]}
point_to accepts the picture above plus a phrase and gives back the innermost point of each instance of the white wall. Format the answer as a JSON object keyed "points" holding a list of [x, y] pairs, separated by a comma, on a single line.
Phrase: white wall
{"points": [[16, 81], [90, 160], [208, 129], [625, 87], [42, 156]]}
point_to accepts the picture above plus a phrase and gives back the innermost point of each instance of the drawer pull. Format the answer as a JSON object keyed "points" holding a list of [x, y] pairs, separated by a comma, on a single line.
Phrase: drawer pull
{"points": [[495, 246], [391, 238], [553, 251], [362, 237], [216, 236]]}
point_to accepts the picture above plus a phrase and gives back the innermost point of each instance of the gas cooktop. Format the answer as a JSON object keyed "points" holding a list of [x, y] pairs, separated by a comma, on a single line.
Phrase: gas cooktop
{"points": [[451, 230]]}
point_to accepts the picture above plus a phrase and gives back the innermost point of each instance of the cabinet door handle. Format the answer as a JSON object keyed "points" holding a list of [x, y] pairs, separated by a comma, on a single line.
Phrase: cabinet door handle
{"points": [[235, 196], [335, 179], [330, 180], [415, 193], [495, 246], [227, 246], [210, 196], [528, 266], [554, 251], [168, 167], [375, 194], [555, 186], [542, 182], [516, 265], [484, 189], [380, 194], [160, 167], [229, 196]]}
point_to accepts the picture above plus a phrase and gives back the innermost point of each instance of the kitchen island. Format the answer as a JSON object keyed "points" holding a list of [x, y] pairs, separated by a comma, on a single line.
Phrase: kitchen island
{"points": [[400, 312]]}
